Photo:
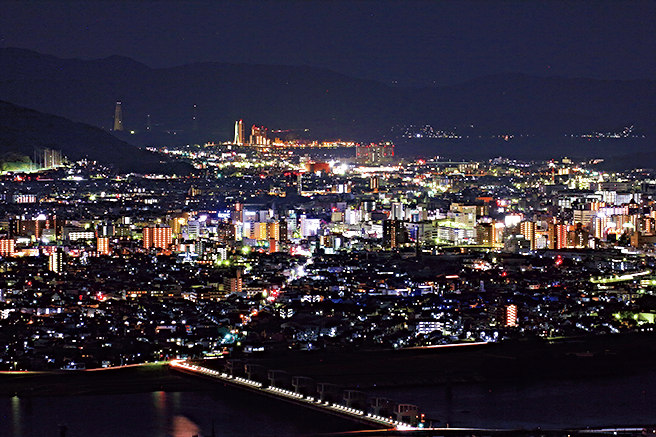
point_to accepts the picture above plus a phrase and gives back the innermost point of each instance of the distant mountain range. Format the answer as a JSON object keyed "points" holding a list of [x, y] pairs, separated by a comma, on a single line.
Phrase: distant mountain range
{"points": [[24, 131], [328, 104]]}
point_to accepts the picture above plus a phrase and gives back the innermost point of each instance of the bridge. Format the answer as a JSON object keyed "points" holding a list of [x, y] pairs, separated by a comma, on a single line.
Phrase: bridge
{"points": [[354, 414], [385, 426]]}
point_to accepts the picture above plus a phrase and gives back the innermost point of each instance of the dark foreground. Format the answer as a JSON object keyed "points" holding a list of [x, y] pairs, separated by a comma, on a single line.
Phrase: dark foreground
{"points": [[138, 379], [532, 360], [514, 387]]}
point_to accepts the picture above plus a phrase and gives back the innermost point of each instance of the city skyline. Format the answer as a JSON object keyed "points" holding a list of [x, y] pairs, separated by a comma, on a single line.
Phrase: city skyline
{"points": [[311, 276]]}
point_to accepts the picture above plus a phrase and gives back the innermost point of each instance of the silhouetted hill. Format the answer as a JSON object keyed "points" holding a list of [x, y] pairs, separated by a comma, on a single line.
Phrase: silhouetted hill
{"points": [[22, 131], [329, 104]]}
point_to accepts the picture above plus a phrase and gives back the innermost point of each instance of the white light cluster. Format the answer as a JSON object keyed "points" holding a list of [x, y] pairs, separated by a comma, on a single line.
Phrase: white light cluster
{"points": [[291, 394]]}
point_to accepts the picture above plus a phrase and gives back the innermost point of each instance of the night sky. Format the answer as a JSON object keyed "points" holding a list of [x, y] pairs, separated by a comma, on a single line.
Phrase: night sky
{"points": [[407, 43]]}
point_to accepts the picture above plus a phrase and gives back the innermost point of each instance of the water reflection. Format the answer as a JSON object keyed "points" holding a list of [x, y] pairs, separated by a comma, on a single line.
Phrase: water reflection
{"points": [[183, 427], [448, 402], [156, 415], [176, 400], [16, 422], [159, 420]]}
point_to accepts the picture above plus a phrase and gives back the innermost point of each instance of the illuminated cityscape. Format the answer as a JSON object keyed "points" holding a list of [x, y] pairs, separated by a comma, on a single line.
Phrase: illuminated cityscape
{"points": [[317, 218], [317, 246], [509, 249]]}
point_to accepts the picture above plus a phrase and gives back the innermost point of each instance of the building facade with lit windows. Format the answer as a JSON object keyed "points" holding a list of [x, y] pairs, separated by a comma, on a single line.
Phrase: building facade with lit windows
{"points": [[7, 246], [56, 261], [259, 136], [557, 236], [527, 229], [509, 316], [239, 133], [374, 153], [158, 237], [102, 245], [486, 234]]}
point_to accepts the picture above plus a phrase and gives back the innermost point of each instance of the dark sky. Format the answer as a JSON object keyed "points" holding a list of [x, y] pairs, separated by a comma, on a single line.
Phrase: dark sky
{"points": [[413, 43]]}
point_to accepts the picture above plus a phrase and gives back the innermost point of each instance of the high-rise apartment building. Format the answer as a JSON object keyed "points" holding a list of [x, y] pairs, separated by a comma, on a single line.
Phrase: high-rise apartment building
{"points": [[578, 236], [394, 233], [102, 245], [233, 283], [282, 230], [239, 133], [486, 234], [510, 316], [7, 246], [374, 153], [56, 261], [527, 229], [159, 237], [557, 236]]}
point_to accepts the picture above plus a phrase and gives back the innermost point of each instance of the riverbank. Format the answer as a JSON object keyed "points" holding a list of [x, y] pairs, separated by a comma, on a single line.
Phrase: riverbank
{"points": [[568, 358], [571, 358], [122, 380]]}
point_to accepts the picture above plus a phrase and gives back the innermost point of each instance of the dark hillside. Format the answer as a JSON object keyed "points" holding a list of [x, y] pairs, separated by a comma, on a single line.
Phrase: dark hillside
{"points": [[23, 131]]}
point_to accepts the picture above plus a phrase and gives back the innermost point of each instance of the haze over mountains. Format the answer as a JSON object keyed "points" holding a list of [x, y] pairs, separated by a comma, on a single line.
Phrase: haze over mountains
{"points": [[329, 104]]}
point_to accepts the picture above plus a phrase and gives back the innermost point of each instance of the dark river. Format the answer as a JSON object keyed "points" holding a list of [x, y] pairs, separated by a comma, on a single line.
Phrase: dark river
{"points": [[619, 400], [591, 402], [162, 414]]}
